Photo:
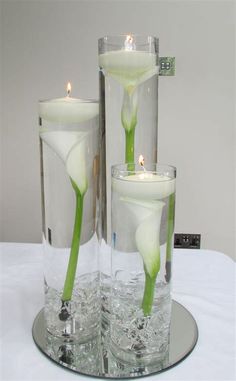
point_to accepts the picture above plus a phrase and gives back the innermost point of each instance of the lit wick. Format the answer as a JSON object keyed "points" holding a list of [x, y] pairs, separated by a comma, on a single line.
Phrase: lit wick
{"points": [[141, 162], [129, 43], [68, 89]]}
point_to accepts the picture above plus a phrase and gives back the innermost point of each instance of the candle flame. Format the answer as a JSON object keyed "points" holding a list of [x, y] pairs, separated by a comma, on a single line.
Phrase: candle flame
{"points": [[141, 160], [129, 43], [129, 39], [68, 89]]}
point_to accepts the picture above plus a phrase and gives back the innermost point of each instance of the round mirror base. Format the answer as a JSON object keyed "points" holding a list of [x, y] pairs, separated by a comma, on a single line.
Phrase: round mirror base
{"points": [[94, 358]]}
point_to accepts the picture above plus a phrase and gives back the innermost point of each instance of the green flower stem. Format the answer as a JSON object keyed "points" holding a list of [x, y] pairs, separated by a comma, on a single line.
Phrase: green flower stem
{"points": [[129, 148], [170, 227], [74, 253], [148, 295]]}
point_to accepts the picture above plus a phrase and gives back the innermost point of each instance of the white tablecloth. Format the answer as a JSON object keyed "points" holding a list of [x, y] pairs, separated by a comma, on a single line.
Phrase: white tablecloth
{"points": [[203, 281]]}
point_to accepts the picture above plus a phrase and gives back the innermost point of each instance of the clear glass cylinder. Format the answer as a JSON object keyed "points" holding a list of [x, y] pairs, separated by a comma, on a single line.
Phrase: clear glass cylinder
{"points": [[69, 149], [128, 77], [128, 105], [140, 299]]}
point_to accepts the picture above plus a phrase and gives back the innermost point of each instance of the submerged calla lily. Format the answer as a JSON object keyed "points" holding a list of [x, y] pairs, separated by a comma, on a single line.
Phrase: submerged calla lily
{"points": [[130, 68], [129, 121], [129, 110], [130, 82], [148, 218], [70, 147]]}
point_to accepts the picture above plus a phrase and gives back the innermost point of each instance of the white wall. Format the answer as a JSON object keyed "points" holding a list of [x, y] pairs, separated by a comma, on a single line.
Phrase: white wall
{"points": [[47, 43], [1, 133]]}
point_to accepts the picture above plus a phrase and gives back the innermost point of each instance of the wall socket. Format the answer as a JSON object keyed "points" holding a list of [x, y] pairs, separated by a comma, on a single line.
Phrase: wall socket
{"points": [[187, 241]]}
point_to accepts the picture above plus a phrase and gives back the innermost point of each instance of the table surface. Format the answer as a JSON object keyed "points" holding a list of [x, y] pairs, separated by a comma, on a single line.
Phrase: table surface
{"points": [[203, 282]]}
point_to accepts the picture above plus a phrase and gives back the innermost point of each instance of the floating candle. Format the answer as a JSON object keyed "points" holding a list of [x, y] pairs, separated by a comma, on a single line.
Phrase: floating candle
{"points": [[129, 66], [129, 62], [69, 145], [67, 109], [144, 185]]}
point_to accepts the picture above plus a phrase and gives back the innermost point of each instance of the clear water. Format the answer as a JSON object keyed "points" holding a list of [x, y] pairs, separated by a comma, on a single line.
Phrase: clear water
{"points": [[83, 320], [135, 338], [58, 198], [113, 133], [105, 304], [141, 238]]}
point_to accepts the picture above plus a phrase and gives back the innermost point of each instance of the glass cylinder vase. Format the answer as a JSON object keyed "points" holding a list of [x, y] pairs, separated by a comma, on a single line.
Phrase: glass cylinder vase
{"points": [[128, 78], [69, 149], [140, 300], [128, 105]]}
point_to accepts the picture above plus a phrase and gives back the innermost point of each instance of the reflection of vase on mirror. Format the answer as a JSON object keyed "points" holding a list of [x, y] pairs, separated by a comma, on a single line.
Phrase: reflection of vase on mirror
{"points": [[84, 357]]}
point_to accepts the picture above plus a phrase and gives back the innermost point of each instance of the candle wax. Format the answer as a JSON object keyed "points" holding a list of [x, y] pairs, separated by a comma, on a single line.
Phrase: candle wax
{"points": [[67, 110], [144, 185], [129, 67], [131, 62]]}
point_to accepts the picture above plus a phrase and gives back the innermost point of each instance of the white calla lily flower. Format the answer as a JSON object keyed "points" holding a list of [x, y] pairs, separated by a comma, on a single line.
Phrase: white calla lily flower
{"points": [[129, 110], [70, 147], [129, 68], [130, 83], [148, 218]]}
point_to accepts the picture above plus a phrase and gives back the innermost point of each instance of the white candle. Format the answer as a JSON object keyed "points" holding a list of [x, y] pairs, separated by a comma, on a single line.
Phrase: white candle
{"points": [[130, 62], [129, 66], [144, 185], [67, 109], [69, 145]]}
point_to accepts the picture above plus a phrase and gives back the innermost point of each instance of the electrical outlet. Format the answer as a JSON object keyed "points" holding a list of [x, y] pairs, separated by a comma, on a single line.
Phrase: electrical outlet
{"points": [[187, 241]]}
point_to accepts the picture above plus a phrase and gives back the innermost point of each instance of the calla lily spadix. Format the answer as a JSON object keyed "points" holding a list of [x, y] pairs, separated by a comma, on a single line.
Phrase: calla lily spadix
{"points": [[70, 147], [148, 219]]}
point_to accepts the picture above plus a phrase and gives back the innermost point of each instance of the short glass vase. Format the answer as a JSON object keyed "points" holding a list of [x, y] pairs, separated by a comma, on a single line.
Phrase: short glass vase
{"points": [[143, 206]]}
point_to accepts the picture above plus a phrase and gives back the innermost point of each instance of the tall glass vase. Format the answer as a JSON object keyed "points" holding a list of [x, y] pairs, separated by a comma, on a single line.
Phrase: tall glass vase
{"points": [[128, 117], [69, 148], [140, 300]]}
